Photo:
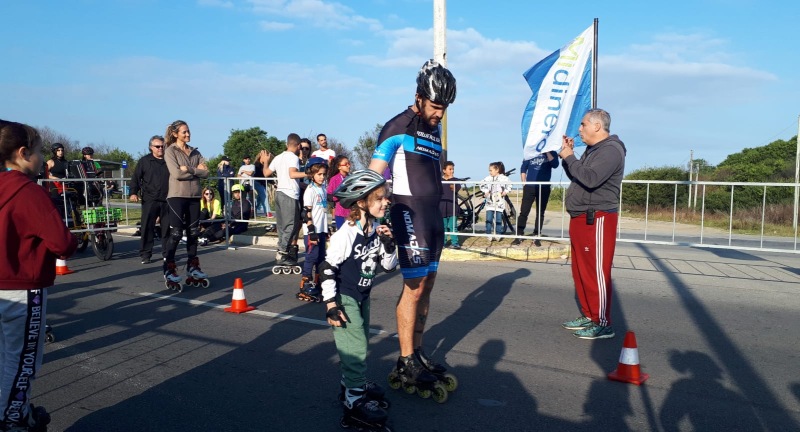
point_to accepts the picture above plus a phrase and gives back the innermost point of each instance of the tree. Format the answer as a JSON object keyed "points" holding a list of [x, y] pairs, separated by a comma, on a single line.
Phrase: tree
{"points": [[340, 149], [658, 195], [249, 142], [366, 146]]}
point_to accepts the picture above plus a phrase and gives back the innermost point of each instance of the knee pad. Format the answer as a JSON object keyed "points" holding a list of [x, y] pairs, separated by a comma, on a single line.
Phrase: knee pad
{"points": [[193, 231]]}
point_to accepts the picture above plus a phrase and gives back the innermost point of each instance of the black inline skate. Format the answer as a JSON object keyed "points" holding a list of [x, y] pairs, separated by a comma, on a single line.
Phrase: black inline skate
{"points": [[361, 413], [37, 421], [171, 278], [373, 392], [285, 264], [448, 380], [49, 336], [309, 291], [194, 276], [413, 377]]}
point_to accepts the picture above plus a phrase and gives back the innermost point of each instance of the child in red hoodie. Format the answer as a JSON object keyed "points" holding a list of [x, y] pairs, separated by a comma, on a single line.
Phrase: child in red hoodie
{"points": [[33, 237]]}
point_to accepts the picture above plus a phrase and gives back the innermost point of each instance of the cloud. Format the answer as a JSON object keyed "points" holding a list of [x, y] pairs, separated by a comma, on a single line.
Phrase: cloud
{"points": [[216, 3], [274, 26], [317, 13]]}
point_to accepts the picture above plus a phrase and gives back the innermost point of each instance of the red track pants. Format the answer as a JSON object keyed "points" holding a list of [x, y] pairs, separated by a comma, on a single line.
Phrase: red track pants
{"points": [[592, 248]]}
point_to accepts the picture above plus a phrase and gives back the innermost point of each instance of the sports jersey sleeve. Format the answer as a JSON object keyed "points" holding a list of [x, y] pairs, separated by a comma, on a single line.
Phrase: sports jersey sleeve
{"points": [[337, 251], [387, 148]]}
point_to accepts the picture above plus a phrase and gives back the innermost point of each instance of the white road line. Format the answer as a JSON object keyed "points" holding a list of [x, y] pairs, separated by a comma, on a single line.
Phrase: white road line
{"points": [[254, 312]]}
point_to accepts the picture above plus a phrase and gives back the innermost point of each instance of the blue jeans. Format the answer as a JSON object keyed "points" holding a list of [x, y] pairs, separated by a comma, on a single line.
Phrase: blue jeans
{"points": [[495, 216], [261, 199]]}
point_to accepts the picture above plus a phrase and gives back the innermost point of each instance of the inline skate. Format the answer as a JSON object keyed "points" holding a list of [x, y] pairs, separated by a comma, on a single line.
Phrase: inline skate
{"points": [[309, 291], [194, 276], [447, 379], [171, 278], [361, 413], [285, 264], [37, 421], [373, 392], [49, 336], [413, 377]]}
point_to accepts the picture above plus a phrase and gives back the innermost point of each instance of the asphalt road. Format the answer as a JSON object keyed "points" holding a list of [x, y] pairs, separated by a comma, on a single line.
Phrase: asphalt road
{"points": [[715, 329]]}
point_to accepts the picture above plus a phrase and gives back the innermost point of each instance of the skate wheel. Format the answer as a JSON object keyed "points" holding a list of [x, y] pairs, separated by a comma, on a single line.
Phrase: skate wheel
{"points": [[439, 393], [394, 381], [206, 283], [410, 389], [297, 270], [50, 337], [286, 270], [276, 270], [450, 382], [425, 394]]}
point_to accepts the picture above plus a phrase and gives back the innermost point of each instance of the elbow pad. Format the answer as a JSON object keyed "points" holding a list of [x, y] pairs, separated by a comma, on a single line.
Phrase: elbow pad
{"points": [[327, 272], [306, 213]]}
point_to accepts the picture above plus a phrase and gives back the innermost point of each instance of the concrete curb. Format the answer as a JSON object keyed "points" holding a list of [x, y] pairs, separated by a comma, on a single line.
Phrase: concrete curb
{"points": [[550, 250]]}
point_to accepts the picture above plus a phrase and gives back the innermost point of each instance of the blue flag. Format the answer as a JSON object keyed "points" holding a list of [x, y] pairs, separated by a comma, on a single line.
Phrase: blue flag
{"points": [[562, 93]]}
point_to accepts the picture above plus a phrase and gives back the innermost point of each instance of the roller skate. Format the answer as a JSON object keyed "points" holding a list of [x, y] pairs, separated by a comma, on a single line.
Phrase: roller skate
{"points": [[415, 378], [447, 379], [284, 264], [49, 336], [361, 413], [309, 291], [37, 421], [171, 278], [373, 392], [194, 276]]}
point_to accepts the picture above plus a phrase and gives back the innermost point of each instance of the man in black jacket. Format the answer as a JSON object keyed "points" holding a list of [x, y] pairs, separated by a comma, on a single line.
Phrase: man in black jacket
{"points": [[151, 181]]}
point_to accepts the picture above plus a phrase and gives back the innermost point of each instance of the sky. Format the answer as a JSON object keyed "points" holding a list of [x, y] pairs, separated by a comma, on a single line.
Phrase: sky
{"points": [[708, 76]]}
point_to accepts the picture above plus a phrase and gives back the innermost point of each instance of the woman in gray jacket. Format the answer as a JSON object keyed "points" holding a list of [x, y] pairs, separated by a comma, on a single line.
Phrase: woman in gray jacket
{"points": [[186, 169]]}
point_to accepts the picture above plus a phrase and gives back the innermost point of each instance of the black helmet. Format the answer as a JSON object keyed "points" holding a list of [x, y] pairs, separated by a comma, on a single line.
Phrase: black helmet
{"points": [[436, 83], [55, 147], [357, 186], [87, 151]]}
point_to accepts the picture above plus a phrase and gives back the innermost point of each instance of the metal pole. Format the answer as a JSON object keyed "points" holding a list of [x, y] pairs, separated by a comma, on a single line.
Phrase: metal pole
{"points": [[594, 66], [691, 166], [440, 55], [796, 173]]}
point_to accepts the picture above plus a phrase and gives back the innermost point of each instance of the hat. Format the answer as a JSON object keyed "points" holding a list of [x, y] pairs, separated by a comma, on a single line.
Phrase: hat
{"points": [[226, 158], [237, 187]]}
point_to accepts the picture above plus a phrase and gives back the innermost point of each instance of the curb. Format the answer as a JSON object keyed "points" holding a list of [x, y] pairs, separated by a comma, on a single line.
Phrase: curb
{"points": [[550, 250]]}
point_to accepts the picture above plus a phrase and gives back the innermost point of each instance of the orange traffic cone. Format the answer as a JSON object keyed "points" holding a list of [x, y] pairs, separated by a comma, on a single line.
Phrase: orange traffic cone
{"points": [[61, 268], [628, 370], [239, 303]]}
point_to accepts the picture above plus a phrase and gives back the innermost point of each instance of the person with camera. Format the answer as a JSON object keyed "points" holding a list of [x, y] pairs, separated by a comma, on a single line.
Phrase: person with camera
{"points": [[592, 201]]}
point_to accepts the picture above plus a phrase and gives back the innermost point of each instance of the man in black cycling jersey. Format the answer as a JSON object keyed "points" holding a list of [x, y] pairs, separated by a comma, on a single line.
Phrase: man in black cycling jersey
{"points": [[410, 145]]}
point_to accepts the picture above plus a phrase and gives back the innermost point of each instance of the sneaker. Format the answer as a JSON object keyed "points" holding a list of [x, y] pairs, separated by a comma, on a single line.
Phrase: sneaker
{"points": [[455, 246], [516, 242], [537, 243], [577, 323], [595, 331], [146, 261]]}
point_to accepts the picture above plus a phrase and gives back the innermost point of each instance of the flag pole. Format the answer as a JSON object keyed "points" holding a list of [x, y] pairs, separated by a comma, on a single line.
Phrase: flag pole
{"points": [[594, 67], [440, 55]]}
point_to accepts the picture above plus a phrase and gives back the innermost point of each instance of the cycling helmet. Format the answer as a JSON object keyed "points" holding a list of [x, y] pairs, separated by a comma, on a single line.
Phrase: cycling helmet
{"points": [[315, 161], [87, 151], [357, 186], [436, 83], [55, 147], [237, 187]]}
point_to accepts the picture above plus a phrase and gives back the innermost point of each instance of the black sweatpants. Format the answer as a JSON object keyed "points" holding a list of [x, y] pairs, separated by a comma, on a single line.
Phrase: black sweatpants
{"points": [[152, 210]]}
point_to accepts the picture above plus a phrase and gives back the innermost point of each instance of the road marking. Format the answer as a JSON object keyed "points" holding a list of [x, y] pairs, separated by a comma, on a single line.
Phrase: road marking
{"points": [[255, 312]]}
